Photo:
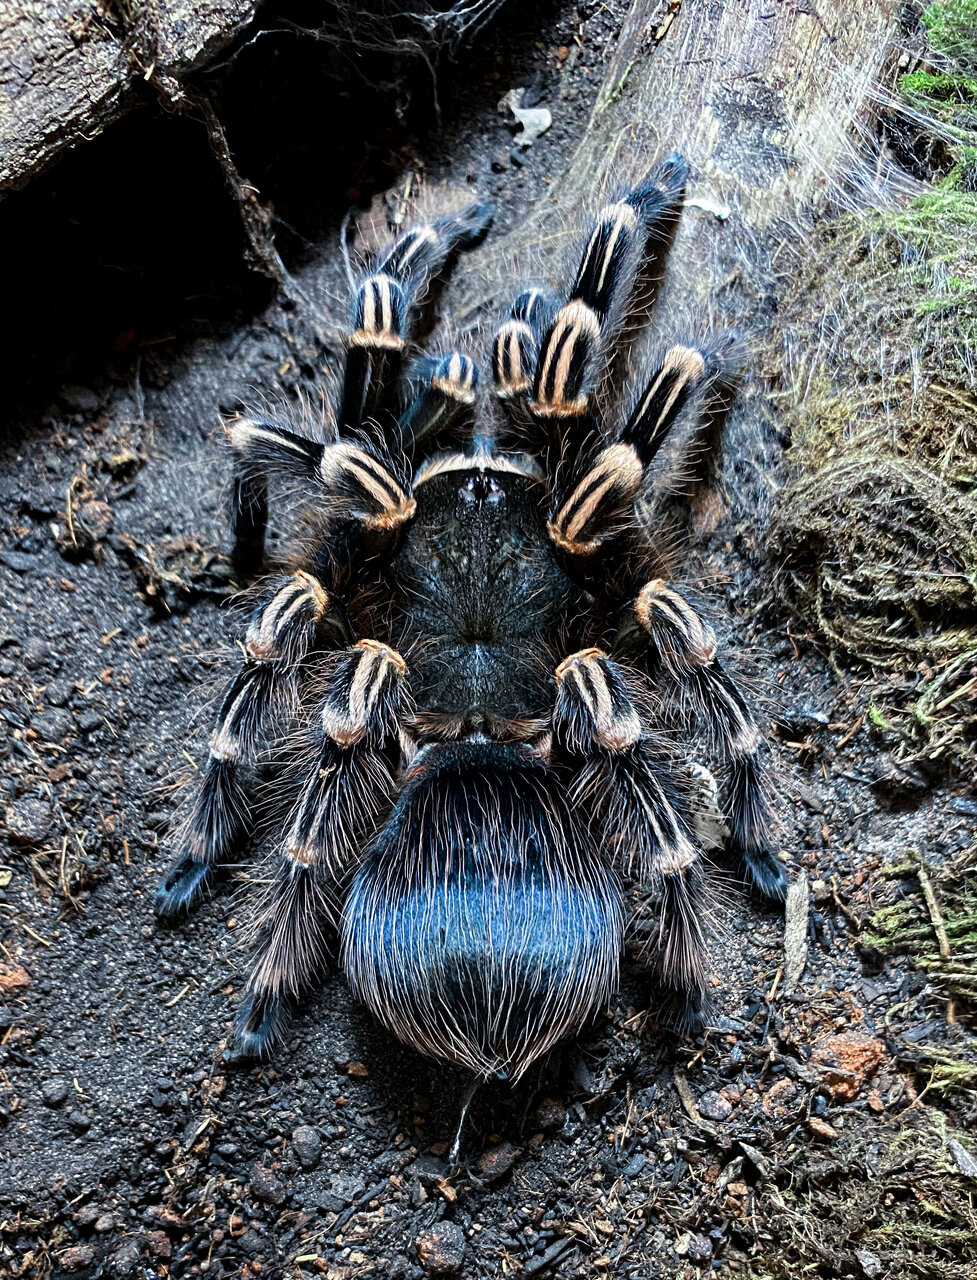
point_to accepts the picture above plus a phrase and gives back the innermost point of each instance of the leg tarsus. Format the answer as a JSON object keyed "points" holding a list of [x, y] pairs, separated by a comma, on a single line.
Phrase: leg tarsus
{"points": [[765, 872], [184, 885], [261, 1021], [683, 1012]]}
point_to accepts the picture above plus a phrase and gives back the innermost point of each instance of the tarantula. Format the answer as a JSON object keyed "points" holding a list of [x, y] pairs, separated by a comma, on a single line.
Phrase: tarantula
{"points": [[479, 672]]}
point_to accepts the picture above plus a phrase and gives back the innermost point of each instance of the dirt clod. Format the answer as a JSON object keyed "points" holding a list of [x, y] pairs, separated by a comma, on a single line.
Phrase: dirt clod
{"points": [[846, 1062], [441, 1252]]}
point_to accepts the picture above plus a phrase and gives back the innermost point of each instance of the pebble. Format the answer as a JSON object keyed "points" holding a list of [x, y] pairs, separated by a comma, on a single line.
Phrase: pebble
{"points": [[497, 1161], [79, 1121], [693, 1246], [714, 1106], [550, 1115], [90, 721], [307, 1146], [54, 1092], [77, 399], [18, 561], [76, 1257], [441, 1251], [821, 1128], [57, 693], [29, 821], [52, 725], [265, 1186]]}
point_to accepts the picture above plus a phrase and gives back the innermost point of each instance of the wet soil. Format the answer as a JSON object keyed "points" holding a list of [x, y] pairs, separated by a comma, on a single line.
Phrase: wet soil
{"points": [[128, 1148]]}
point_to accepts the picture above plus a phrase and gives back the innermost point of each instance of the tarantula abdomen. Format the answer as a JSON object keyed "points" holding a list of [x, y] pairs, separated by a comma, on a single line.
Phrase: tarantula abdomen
{"points": [[484, 925]]}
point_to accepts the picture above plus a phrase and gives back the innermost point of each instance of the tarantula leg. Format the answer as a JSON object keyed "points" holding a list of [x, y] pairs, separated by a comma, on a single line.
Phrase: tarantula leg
{"points": [[575, 346], [382, 312], [683, 647], [595, 504], [282, 627], [644, 812], [364, 488], [441, 406], [261, 447], [514, 354], [348, 784], [683, 375]]}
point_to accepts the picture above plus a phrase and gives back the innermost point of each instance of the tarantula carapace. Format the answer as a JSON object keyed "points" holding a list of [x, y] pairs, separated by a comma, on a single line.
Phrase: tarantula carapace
{"points": [[475, 671]]}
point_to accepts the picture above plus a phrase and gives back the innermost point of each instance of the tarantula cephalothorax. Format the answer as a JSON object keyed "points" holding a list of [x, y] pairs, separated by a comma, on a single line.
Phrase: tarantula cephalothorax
{"points": [[484, 664]]}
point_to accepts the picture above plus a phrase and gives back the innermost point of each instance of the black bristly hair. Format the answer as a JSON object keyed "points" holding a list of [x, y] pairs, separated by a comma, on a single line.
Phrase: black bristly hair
{"points": [[477, 700]]}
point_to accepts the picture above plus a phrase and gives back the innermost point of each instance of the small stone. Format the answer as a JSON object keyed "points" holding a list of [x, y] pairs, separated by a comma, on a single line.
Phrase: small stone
{"points": [[58, 693], [54, 1092], [125, 1260], [18, 561], [693, 1246], [307, 1146], [106, 1222], [714, 1106], [88, 1215], [52, 725], [550, 1115], [846, 1062], [96, 519], [160, 1245], [358, 1070], [779, 1096], [821, 1128], [441, 1251], [90, 721], [428, 1168], [14, 978], [29, 821], [266, 1186], [76, 1257], [497, 1161], [79, 1121], [330, 1202]]}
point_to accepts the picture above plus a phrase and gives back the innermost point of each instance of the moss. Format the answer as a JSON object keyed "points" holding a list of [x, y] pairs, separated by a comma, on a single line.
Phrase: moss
{"points": [[952, 29], [878, 1203], [876, 528]]}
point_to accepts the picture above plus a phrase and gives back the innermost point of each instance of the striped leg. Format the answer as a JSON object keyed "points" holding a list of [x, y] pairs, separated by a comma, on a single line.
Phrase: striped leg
{"points": [[357, 486], [595, 504], [281, 630], [683, 647], [384, 307], [550, 373], [644, 814], [348, 784]]}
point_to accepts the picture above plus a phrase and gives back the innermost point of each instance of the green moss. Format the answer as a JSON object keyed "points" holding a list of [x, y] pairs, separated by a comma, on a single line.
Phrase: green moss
{"points": [[952, 29]]}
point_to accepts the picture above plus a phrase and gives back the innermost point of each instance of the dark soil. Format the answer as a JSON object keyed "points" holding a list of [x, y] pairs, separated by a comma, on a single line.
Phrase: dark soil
{"points": [[128, 1148]]}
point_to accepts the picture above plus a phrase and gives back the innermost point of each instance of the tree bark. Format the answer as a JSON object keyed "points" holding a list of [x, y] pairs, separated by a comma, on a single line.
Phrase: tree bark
{"points": [[69, 68], [760, 96]]}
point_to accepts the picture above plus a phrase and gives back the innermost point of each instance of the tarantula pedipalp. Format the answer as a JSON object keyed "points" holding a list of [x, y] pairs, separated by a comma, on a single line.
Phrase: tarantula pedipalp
{"points": [[490, 763]]}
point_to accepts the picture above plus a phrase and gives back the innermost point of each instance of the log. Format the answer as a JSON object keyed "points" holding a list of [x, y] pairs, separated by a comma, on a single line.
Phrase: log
{"points": [[68, 68], [764, 99], [761, 97]]}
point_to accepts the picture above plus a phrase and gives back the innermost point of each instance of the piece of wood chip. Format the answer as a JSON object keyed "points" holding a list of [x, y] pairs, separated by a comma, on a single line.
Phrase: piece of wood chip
{"points": [[795, 932]]}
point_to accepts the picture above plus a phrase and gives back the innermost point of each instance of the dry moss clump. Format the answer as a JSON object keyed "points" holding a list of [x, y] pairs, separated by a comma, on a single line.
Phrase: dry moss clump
{"points": [[879, 1203], [876, 528]]}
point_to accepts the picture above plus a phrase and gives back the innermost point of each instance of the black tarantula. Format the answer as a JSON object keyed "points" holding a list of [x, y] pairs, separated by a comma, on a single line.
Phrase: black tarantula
{"points": [[478, 650]]}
